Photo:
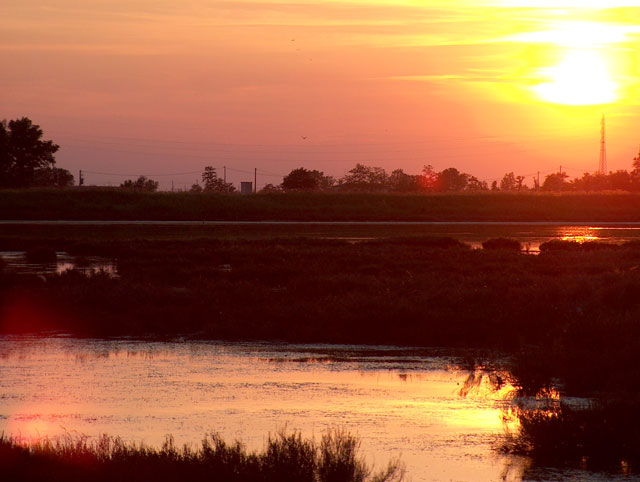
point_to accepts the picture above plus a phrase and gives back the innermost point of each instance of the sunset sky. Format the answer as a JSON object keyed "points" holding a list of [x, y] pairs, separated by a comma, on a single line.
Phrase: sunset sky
{"points": [[161, 88]]}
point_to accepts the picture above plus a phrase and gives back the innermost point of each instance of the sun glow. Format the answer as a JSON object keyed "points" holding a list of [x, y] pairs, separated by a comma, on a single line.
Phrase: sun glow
{"points": [[582, 78], [580, 35], [585, 74]]}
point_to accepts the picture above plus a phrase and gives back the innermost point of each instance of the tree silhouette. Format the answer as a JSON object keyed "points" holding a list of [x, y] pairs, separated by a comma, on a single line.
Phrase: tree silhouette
{"points": [[365, 178], [475, 184], [141, 184], [429, 178], [452, 180], [212, 183], [52, 176], [508, 182], [636, 165], [302, 179], [400, 181], [555, 182], [23, 152]]}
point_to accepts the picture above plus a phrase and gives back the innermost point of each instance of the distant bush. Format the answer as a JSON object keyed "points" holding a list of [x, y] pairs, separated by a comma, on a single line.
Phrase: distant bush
{"points": [[141, 184], [429, 242], [559, 245], [503, 244]]}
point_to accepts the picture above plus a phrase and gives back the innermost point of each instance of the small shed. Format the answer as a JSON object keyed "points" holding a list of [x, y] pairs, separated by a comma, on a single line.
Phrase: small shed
{"points": [[246, 188]]}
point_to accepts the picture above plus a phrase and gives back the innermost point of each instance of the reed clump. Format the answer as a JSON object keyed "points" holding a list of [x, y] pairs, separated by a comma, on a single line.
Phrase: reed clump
{"points": [[286, 458]]}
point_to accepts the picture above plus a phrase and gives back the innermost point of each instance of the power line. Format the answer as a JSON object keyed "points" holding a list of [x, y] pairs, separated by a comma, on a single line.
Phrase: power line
{"points": [[138, 174]]}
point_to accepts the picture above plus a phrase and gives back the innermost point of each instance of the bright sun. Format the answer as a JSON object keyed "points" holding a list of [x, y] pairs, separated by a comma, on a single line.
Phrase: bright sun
{"points": [[582, 78]]}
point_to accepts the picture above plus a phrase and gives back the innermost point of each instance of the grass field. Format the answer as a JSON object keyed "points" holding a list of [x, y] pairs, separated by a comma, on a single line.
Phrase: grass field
{"points": [[111, 204]]}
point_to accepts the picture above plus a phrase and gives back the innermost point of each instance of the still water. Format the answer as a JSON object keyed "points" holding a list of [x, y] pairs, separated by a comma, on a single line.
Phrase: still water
{"points": [[399, 401]]}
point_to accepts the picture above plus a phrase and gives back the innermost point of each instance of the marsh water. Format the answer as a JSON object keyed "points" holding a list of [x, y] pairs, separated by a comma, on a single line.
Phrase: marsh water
{"points": [[416, 404], [530, 234]]}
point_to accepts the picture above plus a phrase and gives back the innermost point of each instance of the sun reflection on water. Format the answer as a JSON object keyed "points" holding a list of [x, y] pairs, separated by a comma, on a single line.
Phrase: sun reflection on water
{"points": [[580, 234]]}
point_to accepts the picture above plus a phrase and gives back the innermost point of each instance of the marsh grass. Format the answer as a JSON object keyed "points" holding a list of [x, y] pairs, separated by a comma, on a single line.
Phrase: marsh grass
{"points": [[286, 458], [568, 314]]}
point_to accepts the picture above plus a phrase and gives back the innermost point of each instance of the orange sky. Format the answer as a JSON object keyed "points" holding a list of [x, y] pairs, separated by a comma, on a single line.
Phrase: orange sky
{"points": [[158, 87]]}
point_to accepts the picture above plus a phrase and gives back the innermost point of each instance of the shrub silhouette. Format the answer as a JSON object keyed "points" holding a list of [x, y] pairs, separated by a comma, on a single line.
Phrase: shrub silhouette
{"points": [[503, 244]]}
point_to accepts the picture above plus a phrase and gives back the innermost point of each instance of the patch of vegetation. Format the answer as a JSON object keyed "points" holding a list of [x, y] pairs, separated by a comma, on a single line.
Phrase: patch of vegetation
{"points": [[127, 204], [286, 458], [502, 244], [565, 314], [600, 436]]}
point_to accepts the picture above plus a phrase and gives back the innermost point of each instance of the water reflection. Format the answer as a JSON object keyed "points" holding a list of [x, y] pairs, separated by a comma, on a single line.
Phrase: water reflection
{"points": [[579, 434], [451, 417], [142, 391], [581, 234]]}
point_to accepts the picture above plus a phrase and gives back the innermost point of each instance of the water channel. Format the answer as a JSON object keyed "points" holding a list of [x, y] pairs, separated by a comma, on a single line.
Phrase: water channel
{"points": [[399, 401]]}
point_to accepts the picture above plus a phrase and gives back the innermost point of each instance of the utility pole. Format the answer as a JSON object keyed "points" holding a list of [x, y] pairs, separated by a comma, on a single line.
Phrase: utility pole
{"points": [[538, 184], [224, 176], [80, 179], [171, 185], [561, 170], [255, 180]]}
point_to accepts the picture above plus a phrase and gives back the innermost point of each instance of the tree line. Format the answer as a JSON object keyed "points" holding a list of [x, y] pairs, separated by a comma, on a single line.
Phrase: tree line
{"points": [[364, 178], [26, 160], [375, 179]]}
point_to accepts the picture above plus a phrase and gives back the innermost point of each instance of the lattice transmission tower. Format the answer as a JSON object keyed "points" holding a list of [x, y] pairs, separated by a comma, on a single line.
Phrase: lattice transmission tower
{"points": [[602, 166]]}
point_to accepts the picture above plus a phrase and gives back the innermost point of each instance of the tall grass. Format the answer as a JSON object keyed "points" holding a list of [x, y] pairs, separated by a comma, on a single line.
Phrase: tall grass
{"points": [[286, 458]]}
